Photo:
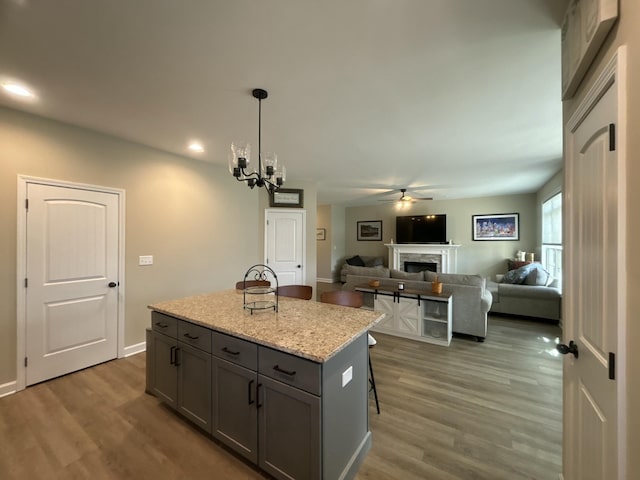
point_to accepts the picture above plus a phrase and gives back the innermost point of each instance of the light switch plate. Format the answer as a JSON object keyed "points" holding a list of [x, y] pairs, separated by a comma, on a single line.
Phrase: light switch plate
{"points": [[145, 260], [347, 375]]}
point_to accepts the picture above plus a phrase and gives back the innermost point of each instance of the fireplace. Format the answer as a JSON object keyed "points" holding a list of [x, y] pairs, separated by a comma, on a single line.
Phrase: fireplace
{"points": [[445, 257], [414, 267]]}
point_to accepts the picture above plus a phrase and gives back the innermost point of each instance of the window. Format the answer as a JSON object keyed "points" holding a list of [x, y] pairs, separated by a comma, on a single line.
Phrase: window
{"points": [[552, 236]]}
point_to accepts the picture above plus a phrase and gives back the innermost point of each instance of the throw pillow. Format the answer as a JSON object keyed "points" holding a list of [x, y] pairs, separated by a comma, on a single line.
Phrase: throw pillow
{"points": [[538, 276], [519, 275], [356, 261]]}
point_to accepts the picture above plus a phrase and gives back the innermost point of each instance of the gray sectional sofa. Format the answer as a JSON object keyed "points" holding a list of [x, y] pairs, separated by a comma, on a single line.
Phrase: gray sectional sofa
{"points": [[471, 299], [359, 262], [527, 291]]}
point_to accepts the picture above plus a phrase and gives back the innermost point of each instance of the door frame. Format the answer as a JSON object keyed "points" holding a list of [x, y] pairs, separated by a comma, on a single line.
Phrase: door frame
{"points": [[613, 75], [21, 294]]}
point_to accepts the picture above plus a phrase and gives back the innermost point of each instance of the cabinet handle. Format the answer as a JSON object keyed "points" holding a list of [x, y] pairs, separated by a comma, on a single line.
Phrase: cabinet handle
{"points": [[177, 363], [161, 325], [191, 337], [249, 390], [258, 387], [230, 352], [291, 373], [172, 360]]}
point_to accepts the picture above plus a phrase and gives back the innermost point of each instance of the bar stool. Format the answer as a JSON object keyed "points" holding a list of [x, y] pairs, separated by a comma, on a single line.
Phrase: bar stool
{"points": [[354, 299]]}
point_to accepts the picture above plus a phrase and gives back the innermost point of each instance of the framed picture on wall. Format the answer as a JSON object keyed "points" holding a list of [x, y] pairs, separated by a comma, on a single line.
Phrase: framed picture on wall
{"points": [[370, 230], [287, 197], [497, 226], [321, 234]]}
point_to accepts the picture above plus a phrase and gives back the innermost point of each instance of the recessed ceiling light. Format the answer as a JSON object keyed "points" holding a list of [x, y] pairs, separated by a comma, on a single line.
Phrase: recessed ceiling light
{"points": [[18, 90], [196, 147]]}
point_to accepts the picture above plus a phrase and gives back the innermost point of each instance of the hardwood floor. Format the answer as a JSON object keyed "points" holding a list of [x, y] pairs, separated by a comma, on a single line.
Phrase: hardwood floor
{"points": [[471, 411]]}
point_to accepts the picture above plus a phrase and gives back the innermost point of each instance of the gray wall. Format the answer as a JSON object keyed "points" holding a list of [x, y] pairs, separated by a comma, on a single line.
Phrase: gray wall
{"points": [[338, 239], [324, 246], [198, 222], [485, 257]]}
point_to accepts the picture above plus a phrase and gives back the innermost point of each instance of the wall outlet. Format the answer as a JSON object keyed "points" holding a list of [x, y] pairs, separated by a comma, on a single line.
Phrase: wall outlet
{"points": [[347, 375], [145, 260]]}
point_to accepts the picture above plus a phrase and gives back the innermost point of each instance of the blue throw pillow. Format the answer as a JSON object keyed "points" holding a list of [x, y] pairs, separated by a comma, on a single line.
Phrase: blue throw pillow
{"points": [[519, 275]]}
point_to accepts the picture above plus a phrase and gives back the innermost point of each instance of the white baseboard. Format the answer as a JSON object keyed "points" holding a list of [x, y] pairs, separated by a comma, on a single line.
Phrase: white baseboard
{"points": [[325, 280], [8, 388], [133, 349]]}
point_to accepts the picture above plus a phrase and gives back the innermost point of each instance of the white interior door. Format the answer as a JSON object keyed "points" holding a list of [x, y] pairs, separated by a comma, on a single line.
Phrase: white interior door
{"points": [[285, 244], [593, 289], [71, 302]]}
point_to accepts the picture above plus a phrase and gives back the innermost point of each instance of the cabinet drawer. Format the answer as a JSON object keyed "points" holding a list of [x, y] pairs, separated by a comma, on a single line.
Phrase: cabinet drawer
{"points": [[164, 324], [235, 350], [195, 335], [295, 371]]}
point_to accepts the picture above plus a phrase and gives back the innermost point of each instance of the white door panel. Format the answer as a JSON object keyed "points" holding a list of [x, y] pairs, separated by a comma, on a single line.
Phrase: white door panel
{"points": [[593, 244], [285, 244], [72, 257]]}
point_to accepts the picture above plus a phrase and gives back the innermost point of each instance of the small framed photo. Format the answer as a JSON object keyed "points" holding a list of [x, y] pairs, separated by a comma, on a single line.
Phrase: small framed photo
{"points": [[370, 230], [498, 226], [287, 197], [321, 234]]}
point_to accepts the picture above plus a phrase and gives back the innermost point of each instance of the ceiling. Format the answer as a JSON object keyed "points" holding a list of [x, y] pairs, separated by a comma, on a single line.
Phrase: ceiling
{"points": [[450, 98]]}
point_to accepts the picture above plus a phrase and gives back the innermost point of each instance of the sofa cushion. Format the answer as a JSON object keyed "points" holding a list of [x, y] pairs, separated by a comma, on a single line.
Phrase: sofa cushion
{"points": [[407, 275], [380, 272], [356, 261], [455, 279], [528, 291], [372, 261]]}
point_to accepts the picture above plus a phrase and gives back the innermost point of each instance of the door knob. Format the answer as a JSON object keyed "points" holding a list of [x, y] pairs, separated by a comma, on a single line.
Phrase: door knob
{"points": [[571, 348], [299, 266], [112, 284]]}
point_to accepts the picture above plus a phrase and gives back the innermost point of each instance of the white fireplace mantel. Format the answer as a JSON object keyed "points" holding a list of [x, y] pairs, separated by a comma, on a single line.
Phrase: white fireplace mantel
{"points": [[446, 254]]}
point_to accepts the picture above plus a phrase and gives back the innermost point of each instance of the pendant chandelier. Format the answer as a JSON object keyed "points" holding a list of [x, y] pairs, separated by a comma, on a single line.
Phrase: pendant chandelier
{"points": [[268, 174]]}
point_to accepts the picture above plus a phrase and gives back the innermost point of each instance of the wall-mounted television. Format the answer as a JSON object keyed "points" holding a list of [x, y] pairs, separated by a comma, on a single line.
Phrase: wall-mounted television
{"points": [[421, 229]]}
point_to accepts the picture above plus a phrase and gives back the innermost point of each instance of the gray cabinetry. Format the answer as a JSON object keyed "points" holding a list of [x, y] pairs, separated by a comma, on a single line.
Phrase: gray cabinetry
{"points": [[235, 411], [291, 416], [165, 381], [182, 367], [289, 424], [274, 425]]}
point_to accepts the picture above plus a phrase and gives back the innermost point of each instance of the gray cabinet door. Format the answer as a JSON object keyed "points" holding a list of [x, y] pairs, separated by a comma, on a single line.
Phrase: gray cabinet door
{"points": [[289, 426], [194, 385], [165, 382], [235, 417]]}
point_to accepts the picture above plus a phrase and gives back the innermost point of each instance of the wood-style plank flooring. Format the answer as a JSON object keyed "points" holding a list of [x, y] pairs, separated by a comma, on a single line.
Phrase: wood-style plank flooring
{"points": [[471, 411]]}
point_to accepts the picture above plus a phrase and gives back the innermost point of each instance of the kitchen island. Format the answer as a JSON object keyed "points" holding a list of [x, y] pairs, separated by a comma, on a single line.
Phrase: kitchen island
{"points": [[288, 390]]}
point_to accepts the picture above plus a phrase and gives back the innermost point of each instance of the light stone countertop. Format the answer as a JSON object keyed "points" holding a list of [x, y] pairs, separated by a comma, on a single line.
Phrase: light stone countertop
{"points": [[305, 328]]}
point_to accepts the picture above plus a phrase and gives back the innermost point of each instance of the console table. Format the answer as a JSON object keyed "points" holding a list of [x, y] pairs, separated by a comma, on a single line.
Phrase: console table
{"points": [[413, 314]]}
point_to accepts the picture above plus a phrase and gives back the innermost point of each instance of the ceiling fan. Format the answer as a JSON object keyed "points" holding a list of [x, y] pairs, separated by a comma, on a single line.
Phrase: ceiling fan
{"points": [[406, 198]]}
